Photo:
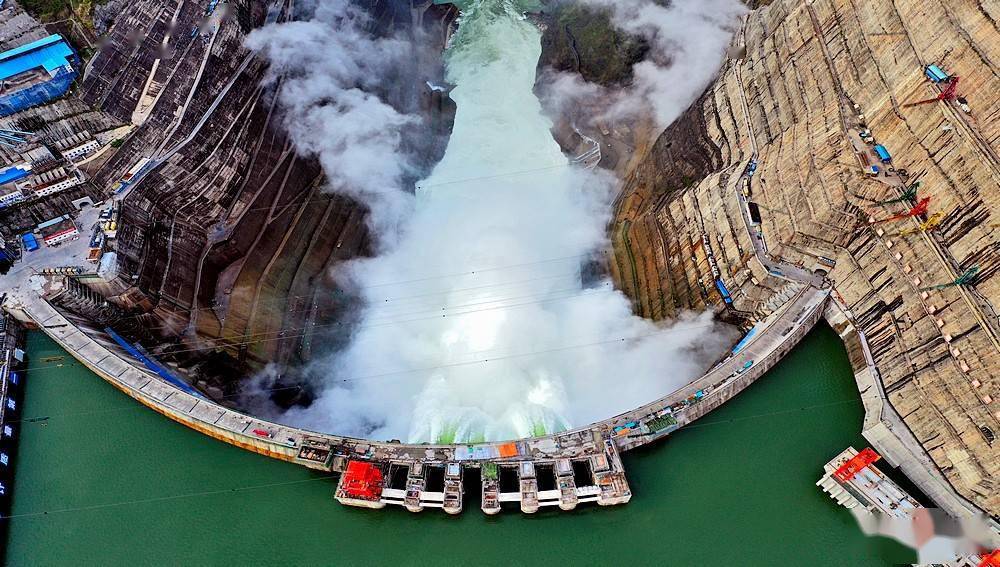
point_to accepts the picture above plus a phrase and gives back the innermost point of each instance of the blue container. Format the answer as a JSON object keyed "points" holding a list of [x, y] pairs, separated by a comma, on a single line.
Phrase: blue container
{"points": [[934, 73], [723, 291], [883, 154]]}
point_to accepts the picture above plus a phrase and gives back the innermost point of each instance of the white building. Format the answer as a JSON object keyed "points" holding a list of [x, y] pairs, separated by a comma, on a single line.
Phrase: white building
{"points": [[84, 149], [59, 229], [67, 182], [10, 197]]}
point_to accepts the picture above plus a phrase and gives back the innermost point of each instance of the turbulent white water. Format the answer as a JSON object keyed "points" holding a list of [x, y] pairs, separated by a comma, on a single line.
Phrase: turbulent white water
{"points": [[476, 325]]}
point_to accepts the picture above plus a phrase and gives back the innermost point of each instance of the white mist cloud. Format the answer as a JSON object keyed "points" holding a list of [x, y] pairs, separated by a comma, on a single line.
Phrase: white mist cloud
{"points": [[328, 68], [476, 325], [687, 40]]}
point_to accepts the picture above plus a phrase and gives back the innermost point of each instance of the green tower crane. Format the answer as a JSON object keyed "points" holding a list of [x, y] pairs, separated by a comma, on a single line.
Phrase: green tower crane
{"points": [[964, 279]]}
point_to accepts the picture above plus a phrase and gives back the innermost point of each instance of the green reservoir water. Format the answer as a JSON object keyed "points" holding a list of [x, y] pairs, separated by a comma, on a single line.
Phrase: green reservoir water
{"points": [[105, 481]]}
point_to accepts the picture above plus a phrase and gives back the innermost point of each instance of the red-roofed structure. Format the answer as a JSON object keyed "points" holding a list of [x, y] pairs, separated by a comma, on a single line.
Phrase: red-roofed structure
{"points": [[855, 464], [991, 560], [362, 481]]}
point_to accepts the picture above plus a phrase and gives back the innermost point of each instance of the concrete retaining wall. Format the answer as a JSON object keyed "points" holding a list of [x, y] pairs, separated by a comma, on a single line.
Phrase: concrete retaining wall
{"points": [[884, 428]]}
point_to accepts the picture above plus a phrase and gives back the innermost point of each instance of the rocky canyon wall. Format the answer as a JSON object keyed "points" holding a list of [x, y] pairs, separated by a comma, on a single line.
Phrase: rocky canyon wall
{"points": [[229, 243], [791, 100]]}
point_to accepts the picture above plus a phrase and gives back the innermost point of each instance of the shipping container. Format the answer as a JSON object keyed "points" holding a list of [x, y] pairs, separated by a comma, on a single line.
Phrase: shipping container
{"points": [[882, 153], [935, 73]]}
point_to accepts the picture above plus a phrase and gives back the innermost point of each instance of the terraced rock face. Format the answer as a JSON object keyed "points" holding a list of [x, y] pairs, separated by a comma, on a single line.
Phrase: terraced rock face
{"points": [[231, 240], [806, 65]]}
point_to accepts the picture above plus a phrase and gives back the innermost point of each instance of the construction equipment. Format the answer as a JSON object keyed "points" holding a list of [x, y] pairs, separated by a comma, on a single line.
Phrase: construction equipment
{"points": [[949, 93], [929, 225], [909, 196], [964, 279], [917, 210]]}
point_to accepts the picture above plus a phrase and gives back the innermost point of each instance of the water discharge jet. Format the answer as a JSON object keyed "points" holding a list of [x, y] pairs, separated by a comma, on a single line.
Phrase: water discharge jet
{"points": [[504, 196]]}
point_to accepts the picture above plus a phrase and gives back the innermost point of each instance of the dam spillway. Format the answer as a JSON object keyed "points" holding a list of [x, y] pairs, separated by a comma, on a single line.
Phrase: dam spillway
{"points": [[478, 318]]}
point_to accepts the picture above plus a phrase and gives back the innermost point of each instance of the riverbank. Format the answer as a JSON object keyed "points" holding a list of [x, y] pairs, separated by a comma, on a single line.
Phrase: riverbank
{"points": [[104, 480]]}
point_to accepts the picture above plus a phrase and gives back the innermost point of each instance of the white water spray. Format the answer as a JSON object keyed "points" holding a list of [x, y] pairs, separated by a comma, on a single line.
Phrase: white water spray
{"points": [[508, 343]]}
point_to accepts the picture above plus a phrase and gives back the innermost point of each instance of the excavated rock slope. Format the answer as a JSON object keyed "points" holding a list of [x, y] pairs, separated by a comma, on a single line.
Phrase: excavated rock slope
{"points": [[230, 241], [807, 64]]}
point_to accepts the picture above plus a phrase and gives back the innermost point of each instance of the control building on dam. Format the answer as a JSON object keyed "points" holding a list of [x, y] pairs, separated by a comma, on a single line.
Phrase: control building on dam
{"points": [[563, 469]]}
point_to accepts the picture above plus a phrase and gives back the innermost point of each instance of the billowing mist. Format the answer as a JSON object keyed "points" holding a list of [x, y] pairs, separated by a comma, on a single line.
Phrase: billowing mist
{"points": [[687, 41], [329, 68], [483, 320]]}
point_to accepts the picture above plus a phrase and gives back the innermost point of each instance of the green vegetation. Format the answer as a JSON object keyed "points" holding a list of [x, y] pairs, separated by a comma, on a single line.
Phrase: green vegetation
{"points": [[117, 143], [55, 10], [490, 470], [50, 10], [661, 423], [582, 38]]}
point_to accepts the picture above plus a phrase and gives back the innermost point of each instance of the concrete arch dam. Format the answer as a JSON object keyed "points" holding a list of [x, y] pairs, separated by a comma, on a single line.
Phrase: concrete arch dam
{"points": [[561, 469]]}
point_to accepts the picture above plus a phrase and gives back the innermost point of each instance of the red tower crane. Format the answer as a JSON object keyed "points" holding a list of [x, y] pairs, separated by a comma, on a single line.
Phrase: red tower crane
{"points": [[918, 209], [949, 93]]}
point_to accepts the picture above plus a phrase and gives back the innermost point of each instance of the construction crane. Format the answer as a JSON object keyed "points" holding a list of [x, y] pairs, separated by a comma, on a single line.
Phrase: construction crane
{"points": [[949, 93], [930, 224], [964, 279], [909, 196], [917, 210]]}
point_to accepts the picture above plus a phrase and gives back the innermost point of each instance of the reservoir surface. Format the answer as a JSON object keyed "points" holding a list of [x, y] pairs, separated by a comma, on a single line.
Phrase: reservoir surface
{"points": [[106, 481]]}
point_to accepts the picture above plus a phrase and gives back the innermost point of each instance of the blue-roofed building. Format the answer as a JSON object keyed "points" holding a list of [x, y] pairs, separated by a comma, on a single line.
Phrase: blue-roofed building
{"points": [[30, 242], [14, 173], [882, 153], [36, 73]]}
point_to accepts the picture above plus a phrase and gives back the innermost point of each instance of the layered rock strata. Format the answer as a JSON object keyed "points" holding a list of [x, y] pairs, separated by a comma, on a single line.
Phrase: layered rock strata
{"points": [[231, 237], [810, 69]]}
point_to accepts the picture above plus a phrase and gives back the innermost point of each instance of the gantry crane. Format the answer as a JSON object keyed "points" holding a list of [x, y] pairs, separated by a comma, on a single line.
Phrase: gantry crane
{"points": [[949, 93], [909, 196]]}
